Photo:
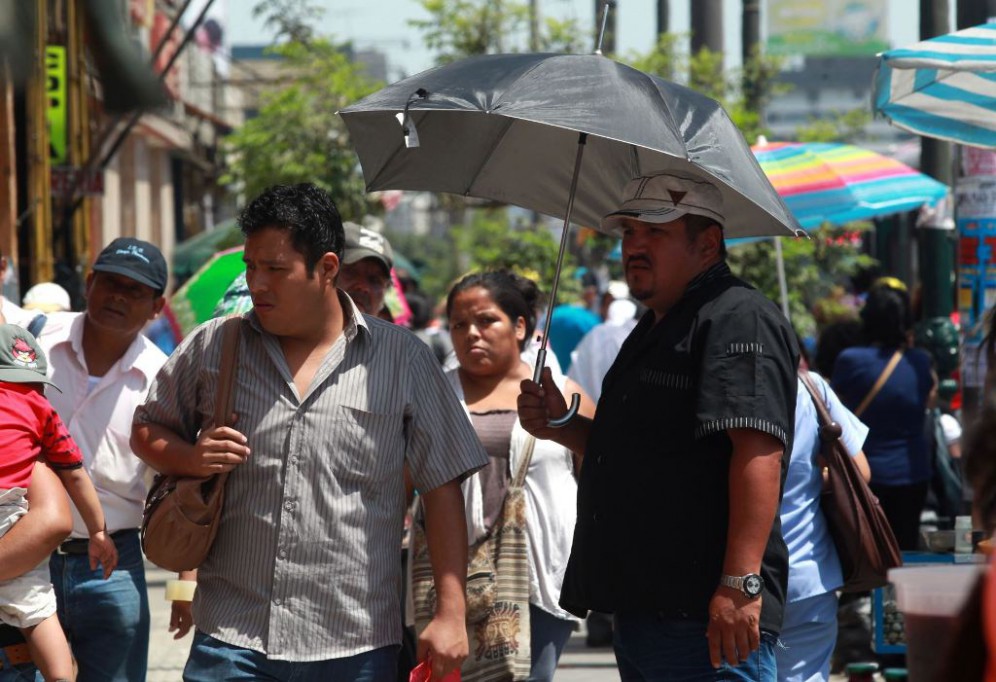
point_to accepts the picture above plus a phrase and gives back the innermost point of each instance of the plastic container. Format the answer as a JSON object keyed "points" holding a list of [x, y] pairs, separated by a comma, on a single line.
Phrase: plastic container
{"points": [[861, 672], [963, 534], [896, 674], [930, 598]]}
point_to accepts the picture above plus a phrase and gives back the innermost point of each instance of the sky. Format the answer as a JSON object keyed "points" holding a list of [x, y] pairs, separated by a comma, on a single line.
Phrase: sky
{"points": [[382, 24]]}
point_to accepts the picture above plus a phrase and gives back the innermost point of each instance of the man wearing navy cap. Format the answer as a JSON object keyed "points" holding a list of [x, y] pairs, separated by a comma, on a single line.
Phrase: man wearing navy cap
{"points": [[105, 365]]}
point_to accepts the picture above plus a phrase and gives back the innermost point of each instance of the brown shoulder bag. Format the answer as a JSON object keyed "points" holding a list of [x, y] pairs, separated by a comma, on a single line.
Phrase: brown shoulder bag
{"points": [[182, 513], [860, 530]]}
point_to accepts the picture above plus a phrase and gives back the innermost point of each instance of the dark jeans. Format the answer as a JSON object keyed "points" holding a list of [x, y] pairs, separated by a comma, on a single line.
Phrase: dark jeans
{"points": [[548, 636], [23, 672], [106, 621], [212, 660], [902, 505], [651, 649]]}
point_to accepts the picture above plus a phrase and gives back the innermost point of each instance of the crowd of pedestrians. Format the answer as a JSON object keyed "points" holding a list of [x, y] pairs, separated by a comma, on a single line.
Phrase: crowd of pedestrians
{"points": [[683, 499]]}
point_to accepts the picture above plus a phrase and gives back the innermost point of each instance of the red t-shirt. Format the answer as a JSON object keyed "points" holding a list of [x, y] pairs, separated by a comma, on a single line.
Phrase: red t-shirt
{"points": [[30, 429]]}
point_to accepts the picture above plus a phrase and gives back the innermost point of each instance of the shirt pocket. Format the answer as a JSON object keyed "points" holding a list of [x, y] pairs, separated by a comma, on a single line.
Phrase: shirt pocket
{"points": [[366, 448]]}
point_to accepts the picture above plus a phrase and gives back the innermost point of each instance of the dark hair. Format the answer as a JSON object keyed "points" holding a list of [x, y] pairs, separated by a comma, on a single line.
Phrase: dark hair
{"points": [[515, 295], [697, 224], [833, 340], [886, 318], [979, 447], [306, 211]]}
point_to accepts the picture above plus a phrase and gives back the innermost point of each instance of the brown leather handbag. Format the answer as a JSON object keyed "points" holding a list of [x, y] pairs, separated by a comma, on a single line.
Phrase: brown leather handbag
{"points": [[860, 530], [182, 513]]}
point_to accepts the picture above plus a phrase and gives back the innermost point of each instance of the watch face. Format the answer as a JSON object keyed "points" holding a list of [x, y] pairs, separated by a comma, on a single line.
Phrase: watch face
{"points": [[753, 584]]}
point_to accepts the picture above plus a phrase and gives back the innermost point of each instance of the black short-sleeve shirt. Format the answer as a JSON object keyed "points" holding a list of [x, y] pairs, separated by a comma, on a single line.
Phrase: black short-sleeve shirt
{"points": [[653, 500]]}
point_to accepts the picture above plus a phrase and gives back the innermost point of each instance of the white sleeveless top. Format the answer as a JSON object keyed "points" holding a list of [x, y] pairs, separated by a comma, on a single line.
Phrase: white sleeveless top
{"points": [[551, 510]]}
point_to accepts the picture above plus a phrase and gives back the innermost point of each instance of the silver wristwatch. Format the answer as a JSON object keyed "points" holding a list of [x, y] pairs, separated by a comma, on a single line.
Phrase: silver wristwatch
{"points": [[750, 585]]}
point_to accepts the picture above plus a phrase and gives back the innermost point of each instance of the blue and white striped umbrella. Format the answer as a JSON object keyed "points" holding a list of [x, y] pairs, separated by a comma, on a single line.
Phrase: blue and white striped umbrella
{"points": [[944, 87]]}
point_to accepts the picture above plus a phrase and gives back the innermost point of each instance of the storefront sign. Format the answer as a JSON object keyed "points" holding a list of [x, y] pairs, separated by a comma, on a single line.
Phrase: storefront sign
{"points": [[830, 28], [976, 211], [56, 110]]}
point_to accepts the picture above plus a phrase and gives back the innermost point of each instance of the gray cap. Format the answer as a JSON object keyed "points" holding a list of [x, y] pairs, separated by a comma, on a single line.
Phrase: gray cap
{"points": [[22, 361], [363, 243], [664, 197]]}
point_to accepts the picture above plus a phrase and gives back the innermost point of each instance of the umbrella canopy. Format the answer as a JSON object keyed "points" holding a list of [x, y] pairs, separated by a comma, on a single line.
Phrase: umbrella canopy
{"points": [[838, 183], [190, 254], [944, 87], [506, 128], [195, 301]]}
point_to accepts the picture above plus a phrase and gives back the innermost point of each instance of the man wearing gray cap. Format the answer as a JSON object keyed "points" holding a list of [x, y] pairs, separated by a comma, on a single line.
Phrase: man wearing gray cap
{"points": [[366, 267], [105, 366], [678, 534]]}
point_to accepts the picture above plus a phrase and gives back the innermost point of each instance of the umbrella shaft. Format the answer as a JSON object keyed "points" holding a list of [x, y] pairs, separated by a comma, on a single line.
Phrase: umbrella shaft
{"points": [[541, 357]]}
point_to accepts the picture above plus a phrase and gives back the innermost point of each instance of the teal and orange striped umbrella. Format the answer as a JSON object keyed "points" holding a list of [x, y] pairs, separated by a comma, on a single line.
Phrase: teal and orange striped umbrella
{"points": [[838, 183]]}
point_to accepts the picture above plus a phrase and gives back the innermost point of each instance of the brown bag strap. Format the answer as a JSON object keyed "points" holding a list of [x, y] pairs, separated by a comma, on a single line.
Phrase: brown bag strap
{"points": [[527, 456], [231, 330], [822, 412], [880, 382]]}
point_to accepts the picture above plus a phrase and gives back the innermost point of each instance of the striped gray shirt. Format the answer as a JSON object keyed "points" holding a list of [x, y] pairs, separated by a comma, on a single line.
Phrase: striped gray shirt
{"points": [[306, 565]]}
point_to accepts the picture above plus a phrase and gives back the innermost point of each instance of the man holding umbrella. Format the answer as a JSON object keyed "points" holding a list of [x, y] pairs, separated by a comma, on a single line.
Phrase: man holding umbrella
{"points": [[678, 533]]}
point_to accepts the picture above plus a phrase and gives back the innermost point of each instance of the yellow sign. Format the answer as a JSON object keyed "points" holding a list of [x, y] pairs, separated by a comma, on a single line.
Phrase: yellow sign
{"points": [[827, 27], [56, 109]]}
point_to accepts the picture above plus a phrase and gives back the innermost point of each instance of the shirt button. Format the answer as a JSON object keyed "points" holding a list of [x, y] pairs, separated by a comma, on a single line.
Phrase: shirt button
{"points": [[600, 460], [625, 397], [594, 517], [277, 602], [282, 554], [289, 505]]}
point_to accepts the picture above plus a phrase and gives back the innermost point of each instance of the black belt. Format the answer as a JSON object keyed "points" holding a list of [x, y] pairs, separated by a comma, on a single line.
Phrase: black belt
{"points": [[78, 546]]}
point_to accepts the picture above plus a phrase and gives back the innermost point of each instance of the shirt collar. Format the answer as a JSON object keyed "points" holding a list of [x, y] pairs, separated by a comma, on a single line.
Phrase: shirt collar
{"points": [[140, 355], [711, 274], [353, 322]]}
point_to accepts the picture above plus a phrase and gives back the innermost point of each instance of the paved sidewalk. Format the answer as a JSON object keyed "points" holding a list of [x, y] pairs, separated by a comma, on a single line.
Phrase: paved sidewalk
{"points": [[167, 656]]}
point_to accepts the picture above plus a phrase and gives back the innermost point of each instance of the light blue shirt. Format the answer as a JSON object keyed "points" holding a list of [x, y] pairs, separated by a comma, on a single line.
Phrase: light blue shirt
{"points": [[814, 568]]}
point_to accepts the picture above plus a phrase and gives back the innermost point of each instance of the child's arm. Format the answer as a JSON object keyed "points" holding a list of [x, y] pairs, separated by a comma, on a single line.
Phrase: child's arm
{"points": [[84, 496]]}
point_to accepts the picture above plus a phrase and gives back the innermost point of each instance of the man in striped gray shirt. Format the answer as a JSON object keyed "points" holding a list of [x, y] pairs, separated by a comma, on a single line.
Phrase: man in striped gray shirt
{"points": [[303, 579]]}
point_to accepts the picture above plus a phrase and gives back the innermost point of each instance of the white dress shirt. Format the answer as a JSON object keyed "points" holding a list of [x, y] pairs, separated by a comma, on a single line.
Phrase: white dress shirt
{"points": [[99, 419]]}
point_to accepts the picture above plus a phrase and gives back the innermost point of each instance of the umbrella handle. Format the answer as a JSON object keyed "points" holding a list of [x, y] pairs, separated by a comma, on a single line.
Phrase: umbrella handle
{"points": [[565, 418], [560, 422]]}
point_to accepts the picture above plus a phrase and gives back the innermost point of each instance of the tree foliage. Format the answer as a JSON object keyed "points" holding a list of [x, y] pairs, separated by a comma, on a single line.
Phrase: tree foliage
{"points": [[462, 28], [815, 268], [297, 136]]}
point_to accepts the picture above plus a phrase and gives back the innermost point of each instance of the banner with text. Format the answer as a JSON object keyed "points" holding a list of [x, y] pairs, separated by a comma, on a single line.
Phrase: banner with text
{"points": [[829, 28]]}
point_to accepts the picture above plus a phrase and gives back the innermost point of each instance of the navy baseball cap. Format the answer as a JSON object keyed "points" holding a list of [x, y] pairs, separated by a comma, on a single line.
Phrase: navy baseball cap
{"points": [[134, 258]]}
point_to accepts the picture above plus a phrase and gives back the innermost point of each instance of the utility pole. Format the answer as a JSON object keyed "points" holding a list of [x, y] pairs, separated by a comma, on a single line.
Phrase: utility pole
{"points": [[663, 17], [750, 46], [936, 243], [971, 13], [534, 25], [707, 25]]}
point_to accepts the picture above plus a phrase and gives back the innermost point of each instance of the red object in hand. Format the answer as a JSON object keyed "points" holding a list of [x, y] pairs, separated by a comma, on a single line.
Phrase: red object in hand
{"points": [[423, 673]]}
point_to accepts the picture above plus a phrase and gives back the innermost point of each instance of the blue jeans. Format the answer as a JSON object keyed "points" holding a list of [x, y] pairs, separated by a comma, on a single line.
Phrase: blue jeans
{"points": [[649, 648], [212, 660], [26, 672], [809, 633], [548, 636], [106, 621]]}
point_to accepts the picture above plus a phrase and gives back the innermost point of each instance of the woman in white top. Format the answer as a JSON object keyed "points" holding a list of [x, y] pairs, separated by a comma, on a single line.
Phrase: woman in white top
{"points": [[491, 316]]}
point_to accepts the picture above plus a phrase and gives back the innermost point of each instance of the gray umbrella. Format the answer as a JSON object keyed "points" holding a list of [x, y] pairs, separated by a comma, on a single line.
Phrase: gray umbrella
{"points": [[513, 128]]}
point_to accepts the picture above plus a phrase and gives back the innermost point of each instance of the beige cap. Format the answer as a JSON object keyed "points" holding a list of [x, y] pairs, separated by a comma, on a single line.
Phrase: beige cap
{"points": [[664, 197]]}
